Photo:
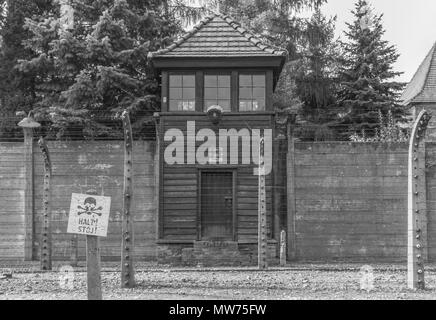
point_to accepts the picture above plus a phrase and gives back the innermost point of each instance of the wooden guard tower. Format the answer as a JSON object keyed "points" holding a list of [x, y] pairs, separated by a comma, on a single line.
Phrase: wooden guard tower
{"points": [[217, 79]]}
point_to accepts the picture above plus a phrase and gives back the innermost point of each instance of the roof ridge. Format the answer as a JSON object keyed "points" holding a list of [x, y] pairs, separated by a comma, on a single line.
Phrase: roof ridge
{"points": [[431, 53], [184, 37], [232, 23], [416, 74], [251, 37]]}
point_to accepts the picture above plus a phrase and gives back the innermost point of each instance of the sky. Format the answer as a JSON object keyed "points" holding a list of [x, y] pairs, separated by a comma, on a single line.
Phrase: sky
{"points": [[410, 25]]}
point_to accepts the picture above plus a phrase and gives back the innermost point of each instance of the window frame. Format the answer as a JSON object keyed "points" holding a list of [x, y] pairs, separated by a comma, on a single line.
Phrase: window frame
{"points": [[254, 73], [183, 73], [217, 73], [234, 87]]}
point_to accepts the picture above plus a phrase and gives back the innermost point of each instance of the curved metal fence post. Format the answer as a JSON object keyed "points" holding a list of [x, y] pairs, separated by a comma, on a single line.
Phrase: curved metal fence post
{"points": [[416, 203]]}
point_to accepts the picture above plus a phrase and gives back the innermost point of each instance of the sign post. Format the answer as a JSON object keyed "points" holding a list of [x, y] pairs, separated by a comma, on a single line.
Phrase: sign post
{"points": [[93, 267], [89, 215]]}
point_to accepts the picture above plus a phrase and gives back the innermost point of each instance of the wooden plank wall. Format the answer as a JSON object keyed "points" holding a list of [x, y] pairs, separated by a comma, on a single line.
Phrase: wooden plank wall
{"points": [[351, 201], [81, 165], [180, 182], [12, 215]]}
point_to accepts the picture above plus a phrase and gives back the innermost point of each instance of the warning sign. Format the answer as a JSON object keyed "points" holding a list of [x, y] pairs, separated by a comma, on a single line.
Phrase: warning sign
{"points": [[89, 215]]}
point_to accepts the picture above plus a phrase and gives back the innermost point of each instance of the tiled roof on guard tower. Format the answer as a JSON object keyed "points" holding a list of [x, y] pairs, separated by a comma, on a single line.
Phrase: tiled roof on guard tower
{"points": [[422, 88], [218, 36]]}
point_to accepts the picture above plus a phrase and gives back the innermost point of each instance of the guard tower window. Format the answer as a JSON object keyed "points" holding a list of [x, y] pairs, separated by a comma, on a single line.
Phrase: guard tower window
{"points": [[217, 91], [251, 92], [182, 92]]}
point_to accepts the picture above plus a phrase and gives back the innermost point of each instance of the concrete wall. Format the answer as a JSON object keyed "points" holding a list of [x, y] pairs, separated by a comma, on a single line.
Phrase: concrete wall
{"points": [[77, 167], [12, 199], [351, 201], [431, 198]]}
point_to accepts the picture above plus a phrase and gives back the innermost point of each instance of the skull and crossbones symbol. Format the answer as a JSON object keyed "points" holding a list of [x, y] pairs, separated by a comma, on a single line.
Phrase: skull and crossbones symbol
{"points": [[89, 207]]}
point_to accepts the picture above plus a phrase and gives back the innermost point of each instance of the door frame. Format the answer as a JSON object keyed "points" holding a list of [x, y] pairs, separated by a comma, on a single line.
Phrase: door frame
{"points": [[234, 173]]}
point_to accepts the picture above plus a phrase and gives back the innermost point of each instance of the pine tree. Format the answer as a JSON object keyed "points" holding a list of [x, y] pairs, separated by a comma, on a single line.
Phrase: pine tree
{"points": [[366, 75], [16, 90], [276, 21], [88, 75], [315, 77]]}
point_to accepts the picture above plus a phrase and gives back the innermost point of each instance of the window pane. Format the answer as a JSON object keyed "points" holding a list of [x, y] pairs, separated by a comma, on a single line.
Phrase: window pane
{"points": [[174, 105], [245, 80], [210, 93], [245, 93], [188, 105], [225, 104], [224, 81], [189, 81], [175, 93], [188, 93], [224, 93], [259, 80], [209, 103], [258, 93], [175, 81], [259, 105], [210, 81], [245, 105]]}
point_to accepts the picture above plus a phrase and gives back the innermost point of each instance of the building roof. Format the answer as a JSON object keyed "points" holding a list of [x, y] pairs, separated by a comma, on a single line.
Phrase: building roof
{"points": [[422, 88], [219, 36]]}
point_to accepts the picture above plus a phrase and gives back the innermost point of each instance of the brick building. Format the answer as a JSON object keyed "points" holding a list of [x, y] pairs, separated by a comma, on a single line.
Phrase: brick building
{"points": [[420, 93]]}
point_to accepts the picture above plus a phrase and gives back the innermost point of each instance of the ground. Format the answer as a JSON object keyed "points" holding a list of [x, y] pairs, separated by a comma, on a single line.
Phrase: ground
{"points": [[299, 281]]}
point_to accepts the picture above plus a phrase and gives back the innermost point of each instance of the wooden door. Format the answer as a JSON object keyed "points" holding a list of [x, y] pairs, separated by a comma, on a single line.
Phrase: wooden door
{"points": [[217, 205]]}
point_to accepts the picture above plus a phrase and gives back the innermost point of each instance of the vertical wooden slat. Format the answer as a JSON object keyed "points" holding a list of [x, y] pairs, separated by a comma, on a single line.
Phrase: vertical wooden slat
{"points": [[234, 86], [235, 206], [161, 181], [199, 91], [269, 90], [199, 196], [165, 91]]}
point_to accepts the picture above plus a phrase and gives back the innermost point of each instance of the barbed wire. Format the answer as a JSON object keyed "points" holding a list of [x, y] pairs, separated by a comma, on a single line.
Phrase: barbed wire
{"points": [[106, 128]]}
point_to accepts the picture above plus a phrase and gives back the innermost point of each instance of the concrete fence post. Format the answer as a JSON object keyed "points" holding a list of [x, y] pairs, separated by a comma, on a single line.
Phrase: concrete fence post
{"points": [[28, 124], [290, 195], [283, 248], [28, 194]]}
